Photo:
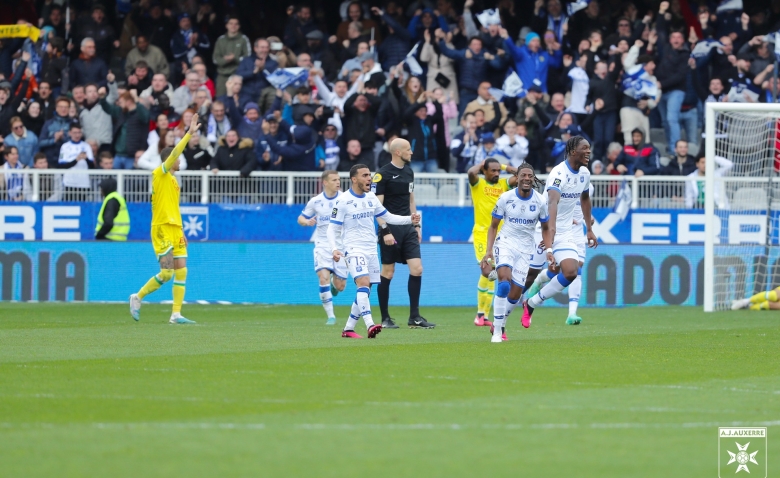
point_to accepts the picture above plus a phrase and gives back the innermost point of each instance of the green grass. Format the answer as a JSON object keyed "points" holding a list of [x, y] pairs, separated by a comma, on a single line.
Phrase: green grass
{"points": [[270, 391]]}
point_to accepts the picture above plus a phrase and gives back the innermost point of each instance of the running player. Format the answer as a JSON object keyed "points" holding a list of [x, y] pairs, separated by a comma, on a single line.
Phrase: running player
{"points": [[485, 192], [567, 184], [168, 239], [520, 210], [575, 288], [769, 300], [352, 237], [332, 275]]}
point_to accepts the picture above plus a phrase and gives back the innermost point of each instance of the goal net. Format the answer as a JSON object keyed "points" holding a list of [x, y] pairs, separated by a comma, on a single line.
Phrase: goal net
{"points": [[740, 193]]}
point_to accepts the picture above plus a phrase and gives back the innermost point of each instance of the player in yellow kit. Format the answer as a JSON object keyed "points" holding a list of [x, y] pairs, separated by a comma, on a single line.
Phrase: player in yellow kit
{"points": [[485, 192], [769, 300], [168, 238]]}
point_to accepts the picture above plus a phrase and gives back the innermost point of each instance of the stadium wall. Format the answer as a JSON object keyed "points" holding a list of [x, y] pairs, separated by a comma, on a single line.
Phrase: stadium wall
{"points": [[282, 272], [276, 222]]}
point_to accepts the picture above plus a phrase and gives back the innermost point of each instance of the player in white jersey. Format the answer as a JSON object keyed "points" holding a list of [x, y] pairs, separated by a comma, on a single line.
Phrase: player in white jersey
{"points": [[352, 238], [575, 288], [520, 209], [332, 275], [567, 185]]}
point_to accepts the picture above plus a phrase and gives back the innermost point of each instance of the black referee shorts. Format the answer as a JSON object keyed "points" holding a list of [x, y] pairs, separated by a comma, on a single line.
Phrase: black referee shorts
{"points": [[407, 247]]}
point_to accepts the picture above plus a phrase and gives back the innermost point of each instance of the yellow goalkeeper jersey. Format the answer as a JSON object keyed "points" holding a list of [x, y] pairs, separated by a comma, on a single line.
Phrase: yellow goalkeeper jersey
{"points": [[485, 196], [165, 190]]}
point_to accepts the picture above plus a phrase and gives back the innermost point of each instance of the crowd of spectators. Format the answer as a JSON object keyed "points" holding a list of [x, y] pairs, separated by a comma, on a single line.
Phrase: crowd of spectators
{"points": [[113, 87]]}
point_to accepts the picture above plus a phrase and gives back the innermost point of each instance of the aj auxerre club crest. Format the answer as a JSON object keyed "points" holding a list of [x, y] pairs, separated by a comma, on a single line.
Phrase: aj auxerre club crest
{"points": [[742, 449], [195, 222]]}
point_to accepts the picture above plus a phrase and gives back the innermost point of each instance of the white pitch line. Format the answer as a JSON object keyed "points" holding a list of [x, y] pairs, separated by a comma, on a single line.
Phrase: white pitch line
{"points": [[378, 426]]}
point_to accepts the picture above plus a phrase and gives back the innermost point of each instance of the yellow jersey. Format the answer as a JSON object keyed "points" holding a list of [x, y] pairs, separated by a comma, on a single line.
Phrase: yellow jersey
{"points": [[165, 189], [485, 196]]}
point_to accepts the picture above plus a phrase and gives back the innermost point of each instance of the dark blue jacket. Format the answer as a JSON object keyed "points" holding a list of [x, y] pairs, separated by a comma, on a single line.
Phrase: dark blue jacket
{"points": [[179, 45], [298, 156], [395, 46], [85, 72], [471, 71], [282, 138], [645, 157], [254, 83], [416, 27]]}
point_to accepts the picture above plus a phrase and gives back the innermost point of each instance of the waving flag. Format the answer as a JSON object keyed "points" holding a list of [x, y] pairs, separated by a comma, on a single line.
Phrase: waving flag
{"points": [[638, 84], [411, 62], [513, 85], [576, 6], [726, 5], [776, 40], [623, 200], [489, 17], [704, 47], [281, 78]]}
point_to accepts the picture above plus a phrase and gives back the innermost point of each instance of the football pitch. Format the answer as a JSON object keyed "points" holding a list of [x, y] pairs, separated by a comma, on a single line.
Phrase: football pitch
{"points": [[271, 391]]}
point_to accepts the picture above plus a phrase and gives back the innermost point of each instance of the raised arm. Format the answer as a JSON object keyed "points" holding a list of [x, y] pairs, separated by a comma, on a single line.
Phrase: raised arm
{"points": [[194, 126], [473, 173]]}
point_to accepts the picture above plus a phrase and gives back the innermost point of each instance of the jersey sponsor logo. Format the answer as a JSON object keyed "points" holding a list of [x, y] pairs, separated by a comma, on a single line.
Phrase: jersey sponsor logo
{"points": [[557, 182], [334, 213], [377, 178], [520, 220], [363, 215], [570, 195]]}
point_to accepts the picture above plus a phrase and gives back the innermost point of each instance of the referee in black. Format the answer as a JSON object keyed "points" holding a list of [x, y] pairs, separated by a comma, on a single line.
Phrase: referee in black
{"points": [[395, 189]]}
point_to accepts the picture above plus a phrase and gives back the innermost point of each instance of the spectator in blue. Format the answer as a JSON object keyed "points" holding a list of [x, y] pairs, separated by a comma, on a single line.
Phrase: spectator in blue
{"points": [[88, 68], [397, 41], [55, 132], [425, 20], [672, 73], [473, 64], [531, 62], [269, 160], [25, 141], [298, 155], [187, 42], [639, 157], [250, 125], [253, 68]]}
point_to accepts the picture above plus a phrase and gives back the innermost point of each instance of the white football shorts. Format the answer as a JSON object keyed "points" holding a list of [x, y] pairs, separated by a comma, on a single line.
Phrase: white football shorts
{"points": [[324, 260], [360, 265]]}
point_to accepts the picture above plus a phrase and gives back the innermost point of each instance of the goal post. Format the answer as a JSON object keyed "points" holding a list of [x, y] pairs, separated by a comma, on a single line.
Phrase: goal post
{"points": [[742, 154]]}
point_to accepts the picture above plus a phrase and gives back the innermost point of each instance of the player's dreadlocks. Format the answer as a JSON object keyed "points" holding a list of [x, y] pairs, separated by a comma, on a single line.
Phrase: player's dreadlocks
{"points": [[572, 144], [536, 181]]}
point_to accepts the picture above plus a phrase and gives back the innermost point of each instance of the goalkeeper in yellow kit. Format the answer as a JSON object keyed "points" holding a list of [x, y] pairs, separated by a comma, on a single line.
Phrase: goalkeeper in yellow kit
{"points": [[168, 239], [769, 300]]}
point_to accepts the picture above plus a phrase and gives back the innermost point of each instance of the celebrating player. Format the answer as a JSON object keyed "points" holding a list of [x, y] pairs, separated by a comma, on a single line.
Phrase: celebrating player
{"points": [[168, 239], [352, 238], [485, 191], [520, 210], [332, 275], [769, 300], [575, 288], [394, 187], [567, 184]]}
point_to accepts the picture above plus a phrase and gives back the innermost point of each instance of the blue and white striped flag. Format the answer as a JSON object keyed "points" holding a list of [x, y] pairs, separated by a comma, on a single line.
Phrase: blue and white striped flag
{"points": [[576, 6], [411, 62], [704, 47], [281, 78], [489, 17], [623, 200], [638, 84]]}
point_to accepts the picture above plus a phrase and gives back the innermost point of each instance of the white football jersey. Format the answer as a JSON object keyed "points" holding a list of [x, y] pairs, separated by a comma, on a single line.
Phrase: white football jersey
{"points": [[520, 217], [69, 152], [570, 184], [356, 216], [578, 216], [320, 206]]}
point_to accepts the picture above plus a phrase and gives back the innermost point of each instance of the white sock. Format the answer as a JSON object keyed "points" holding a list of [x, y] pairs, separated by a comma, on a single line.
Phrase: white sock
{"points": [[575, 288], [327, 299], [510, 306], [354, 315], [365, 305], [553, 287], [544, 277], [499, 314]]}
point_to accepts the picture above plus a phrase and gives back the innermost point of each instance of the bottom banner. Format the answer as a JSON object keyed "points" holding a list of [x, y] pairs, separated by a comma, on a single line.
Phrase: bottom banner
{"points": [[283, 273]]}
